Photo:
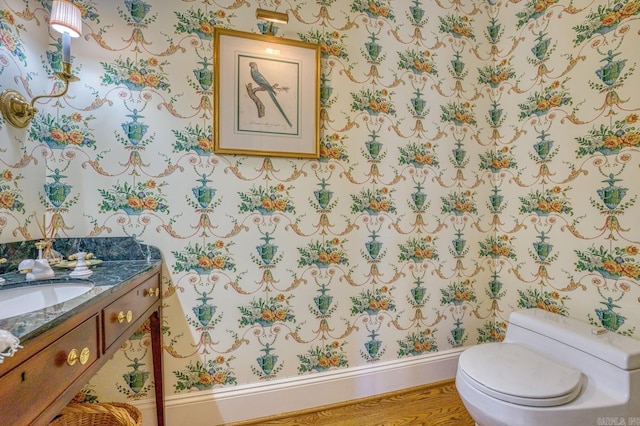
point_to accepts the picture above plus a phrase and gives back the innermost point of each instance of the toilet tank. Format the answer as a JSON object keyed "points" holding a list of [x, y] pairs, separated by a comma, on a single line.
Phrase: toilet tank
{"points": [[535, 326]]}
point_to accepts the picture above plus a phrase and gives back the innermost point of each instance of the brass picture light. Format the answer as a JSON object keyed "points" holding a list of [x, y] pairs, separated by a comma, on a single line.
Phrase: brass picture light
{"points": [[272, 17]]}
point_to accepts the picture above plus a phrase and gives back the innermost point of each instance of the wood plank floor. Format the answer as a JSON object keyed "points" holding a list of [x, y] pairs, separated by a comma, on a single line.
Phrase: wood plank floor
{"points": [[436, 404]]}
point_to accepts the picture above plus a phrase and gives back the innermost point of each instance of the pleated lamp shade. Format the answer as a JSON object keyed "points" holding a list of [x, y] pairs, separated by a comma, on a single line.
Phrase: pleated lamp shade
{"points": [[66, 18]]}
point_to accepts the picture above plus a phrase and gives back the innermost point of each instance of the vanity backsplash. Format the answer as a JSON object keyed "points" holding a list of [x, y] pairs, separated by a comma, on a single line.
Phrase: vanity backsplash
{"points": [[103, 248]]}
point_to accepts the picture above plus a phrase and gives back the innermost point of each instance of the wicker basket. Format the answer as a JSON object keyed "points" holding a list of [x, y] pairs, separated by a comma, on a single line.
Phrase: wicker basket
{"points": [[103, 414]]}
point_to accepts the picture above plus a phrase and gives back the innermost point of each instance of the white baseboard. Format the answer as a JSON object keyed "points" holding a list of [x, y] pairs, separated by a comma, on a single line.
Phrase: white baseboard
{"points": [[244, 402]]}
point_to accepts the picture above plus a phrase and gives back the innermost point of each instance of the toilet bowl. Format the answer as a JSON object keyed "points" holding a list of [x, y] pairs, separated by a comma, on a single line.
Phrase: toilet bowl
{"points": [[551, 370]]}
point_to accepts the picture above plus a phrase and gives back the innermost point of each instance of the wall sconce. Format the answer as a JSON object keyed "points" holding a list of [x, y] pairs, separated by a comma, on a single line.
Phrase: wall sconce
{"points": [[65, 18], [272, 17]]}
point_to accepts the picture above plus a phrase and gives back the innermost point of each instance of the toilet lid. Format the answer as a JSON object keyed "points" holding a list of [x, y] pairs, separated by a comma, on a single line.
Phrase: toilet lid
{"points": [[514, 373]]}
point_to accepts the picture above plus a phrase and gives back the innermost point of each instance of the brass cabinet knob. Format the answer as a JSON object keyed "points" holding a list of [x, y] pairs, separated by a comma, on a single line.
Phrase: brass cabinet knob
{"points": [[122, 316], [84, 356], [74, 357], [153, 291]]}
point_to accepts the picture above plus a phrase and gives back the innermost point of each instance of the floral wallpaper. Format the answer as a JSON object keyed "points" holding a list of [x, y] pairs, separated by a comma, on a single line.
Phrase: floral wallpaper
{"points": [[476, 158]]}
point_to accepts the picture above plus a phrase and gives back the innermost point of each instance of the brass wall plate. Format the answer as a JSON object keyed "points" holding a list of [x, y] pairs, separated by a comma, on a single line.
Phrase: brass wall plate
{"points": [[15, 108]]}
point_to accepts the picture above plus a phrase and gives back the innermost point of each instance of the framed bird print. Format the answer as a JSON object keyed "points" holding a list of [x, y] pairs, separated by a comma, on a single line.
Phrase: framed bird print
{"points": [[266, 95]]}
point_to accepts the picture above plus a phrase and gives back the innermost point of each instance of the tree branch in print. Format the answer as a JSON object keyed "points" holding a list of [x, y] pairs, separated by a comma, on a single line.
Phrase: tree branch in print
{"points": [[251, 91]]}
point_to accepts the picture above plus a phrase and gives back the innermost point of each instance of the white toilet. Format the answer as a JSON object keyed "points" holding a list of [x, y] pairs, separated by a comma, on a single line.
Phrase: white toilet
{"points": [[552, 370]]}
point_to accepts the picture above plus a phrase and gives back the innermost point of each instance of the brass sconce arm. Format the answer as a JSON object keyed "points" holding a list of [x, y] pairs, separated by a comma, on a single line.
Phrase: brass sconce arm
{"points": [[19, 112]]}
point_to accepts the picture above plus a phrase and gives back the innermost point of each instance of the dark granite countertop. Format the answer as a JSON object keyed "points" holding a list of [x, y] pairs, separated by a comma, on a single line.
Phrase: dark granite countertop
{"points": [[123, 258]]}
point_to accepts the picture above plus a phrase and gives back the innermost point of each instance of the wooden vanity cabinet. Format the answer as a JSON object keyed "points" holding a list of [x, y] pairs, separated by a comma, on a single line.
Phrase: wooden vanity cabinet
{"points": [[41, 378]]}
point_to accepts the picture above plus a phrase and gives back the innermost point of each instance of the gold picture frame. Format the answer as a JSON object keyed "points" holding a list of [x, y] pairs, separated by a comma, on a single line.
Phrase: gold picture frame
{"points": [[266, 95]]}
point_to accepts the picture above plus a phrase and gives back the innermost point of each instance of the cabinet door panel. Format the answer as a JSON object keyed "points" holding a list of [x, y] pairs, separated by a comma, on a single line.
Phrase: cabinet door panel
{"points": [[29, 388]]}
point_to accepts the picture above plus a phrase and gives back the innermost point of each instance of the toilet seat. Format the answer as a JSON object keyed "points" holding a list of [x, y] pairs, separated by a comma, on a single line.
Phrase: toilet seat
{"points": [[514, 373]]}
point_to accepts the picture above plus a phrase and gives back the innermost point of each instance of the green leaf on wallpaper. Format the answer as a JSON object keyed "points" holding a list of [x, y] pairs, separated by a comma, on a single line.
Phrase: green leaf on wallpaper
{"points": [[62, 130], [332, 148], [194, 138], [417, 343], [323, 358], [331, 43], [540, 103], [323, 253], [10, 194], [267, 311], [457, 26], [496, 247], [418, 155], [201, 23], [418, 249], [374, 8], [458, 293], [205, 375], [204, 258], [459, 203], [496, 74], [134, 199], [533, 9], [419, 62], [137, 75], [497, 160], [609, 140], [551, 301], [267, 200], [373, 301], [373, 201], [544, 202], [605, 19], [458, 113], [619, 262], [492, 331], [8, 39], [373, 101]]}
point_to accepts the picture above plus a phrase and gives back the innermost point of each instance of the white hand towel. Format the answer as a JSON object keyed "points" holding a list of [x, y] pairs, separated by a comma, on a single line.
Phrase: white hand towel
{"points": [[9, 344]]}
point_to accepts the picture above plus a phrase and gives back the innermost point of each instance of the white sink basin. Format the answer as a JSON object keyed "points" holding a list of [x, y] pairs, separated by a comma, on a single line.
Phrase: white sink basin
{"points": [[21, 300]]}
